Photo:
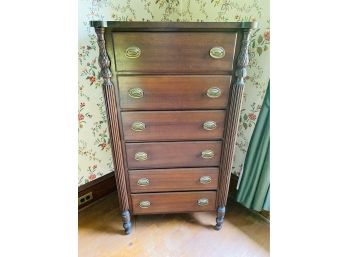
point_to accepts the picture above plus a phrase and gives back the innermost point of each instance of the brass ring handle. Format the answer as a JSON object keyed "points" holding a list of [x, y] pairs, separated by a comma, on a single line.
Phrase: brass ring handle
{"points": [[214, 92], [138, 126], [140, 156], [202, 201], [136, 92], [133, 52], [205, 179], [217, 52], [209, 125], [144, 204], [207, 154], [143, 182]]}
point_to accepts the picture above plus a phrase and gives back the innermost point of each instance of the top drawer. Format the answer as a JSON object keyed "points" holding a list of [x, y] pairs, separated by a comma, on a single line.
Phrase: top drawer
{"points": [[186, 52]]}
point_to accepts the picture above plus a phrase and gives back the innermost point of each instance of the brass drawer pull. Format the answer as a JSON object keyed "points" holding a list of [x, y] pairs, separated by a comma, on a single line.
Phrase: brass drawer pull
{"points": [[209, 125], [144, 204], [214, 92], [138, 126], [202, 201], [140, 156], [143, 182], [136, 92], [217, 52], [205, 179], [133, 52], [207, 154]]}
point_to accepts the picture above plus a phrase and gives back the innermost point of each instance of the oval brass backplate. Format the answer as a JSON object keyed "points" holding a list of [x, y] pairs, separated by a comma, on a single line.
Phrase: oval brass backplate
{"points": [[203, 202], [143, 182], [138, 126], [140, 156], [133, 52], [136, 92], [207, 154], [214, 92], [205, 179], [217, 52], [144, 204], [209, 125]]}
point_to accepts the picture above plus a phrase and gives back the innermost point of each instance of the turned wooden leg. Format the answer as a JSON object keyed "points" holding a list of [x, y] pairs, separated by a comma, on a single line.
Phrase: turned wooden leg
{"points": [[220, 217], [127, 225]]}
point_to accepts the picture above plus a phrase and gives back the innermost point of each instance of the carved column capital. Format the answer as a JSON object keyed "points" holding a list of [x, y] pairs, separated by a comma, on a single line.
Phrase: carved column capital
{"points": [[103, 59], [243, 58]]}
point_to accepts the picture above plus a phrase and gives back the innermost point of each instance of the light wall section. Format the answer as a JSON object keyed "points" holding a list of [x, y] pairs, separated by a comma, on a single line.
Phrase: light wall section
{"points": [[94, 146]]}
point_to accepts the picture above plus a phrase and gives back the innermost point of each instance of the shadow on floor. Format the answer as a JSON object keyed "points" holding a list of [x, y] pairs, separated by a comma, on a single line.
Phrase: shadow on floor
{"points": [[103, 219]]}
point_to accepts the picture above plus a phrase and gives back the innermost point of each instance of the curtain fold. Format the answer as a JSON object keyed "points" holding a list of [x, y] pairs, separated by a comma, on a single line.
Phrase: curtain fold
{"points": [[254, 184]]}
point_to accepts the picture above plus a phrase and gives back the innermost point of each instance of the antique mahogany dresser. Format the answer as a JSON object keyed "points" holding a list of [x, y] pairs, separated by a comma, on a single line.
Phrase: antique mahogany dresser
{"points": [[173, 95]]}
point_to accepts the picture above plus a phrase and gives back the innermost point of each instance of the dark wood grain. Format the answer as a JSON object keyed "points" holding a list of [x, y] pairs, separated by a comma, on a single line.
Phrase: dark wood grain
{"points": [[173, 26], [233, 121], [173, 125], [174, 92], [174, 70], [174, 52], [110, 50], [173, 155], [173, 202], [184, 179], [110, 103]]}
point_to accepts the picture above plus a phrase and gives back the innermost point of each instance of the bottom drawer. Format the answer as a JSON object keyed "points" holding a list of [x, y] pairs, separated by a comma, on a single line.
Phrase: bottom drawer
{"points": [[173, 202]]}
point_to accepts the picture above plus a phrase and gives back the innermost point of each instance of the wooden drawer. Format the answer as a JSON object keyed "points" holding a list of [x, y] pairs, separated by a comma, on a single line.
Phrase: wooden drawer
{"points": [[173, 202], [159, 180], [174, 92], [172, 155], [173, 125], [173, 52]]}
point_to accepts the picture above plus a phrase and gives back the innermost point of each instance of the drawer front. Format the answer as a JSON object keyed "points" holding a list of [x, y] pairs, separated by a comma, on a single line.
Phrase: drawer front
{"points": [[173, 125], [174, 92], [159, 180], [174, 52], [173, 202], [173, 155]]}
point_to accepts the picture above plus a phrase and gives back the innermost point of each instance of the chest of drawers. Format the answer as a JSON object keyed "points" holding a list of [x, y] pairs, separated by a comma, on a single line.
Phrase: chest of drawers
{"points": [[173, 95]]}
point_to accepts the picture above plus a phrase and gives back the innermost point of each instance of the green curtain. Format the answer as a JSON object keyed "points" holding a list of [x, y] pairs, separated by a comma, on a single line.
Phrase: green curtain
{"points": [[254, 186]]}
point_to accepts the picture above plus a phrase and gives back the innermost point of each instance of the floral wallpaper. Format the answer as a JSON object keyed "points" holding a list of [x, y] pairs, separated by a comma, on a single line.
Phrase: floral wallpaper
{"points": [[94, 146]]}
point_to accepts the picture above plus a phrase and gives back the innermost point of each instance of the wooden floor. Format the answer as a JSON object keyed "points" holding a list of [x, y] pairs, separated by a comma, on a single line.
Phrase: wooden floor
{"points": [[172, 235]]}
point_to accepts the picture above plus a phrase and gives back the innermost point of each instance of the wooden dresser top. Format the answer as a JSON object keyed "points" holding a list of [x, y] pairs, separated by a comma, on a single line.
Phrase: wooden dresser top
{"points": [[173, 26]]}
